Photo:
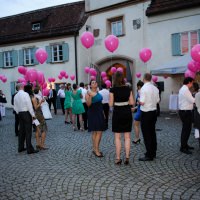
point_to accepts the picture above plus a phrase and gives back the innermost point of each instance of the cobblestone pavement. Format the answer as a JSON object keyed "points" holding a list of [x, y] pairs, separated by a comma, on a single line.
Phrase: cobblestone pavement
{"points": [[69, 170]]}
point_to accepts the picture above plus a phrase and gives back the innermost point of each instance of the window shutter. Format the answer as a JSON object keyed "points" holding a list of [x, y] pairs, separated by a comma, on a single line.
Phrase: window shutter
{"points": [[35, 60], [15, 58], [65, 52], [12, 88], [1, 60], [48, 50], [176, 44], [21, 57]]}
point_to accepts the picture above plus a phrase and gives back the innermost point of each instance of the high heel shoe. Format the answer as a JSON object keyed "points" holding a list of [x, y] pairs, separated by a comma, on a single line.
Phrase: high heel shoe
{"points": [[136, 142], [126, 162], [118, 161]]}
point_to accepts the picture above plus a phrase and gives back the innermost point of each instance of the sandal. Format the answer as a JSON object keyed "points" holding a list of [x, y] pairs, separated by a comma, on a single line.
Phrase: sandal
{"points": [[118, 161]]}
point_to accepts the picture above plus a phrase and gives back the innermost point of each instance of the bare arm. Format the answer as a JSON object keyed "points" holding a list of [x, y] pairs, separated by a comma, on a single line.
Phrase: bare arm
{"points": [[111, 99], [131, 100], [88, 99]]}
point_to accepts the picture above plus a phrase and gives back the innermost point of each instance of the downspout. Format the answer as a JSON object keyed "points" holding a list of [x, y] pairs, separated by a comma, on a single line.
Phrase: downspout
{"points": [[75, 49]]}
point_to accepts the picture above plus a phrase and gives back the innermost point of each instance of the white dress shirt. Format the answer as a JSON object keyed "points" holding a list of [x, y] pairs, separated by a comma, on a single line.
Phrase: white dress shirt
{"points": [[22, 103], [149, 95], [83, 92], [185, 98], [61, 93], [105, 94]]}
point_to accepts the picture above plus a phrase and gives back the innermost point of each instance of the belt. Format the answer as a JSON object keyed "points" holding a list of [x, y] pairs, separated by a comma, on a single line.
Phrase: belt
{"points": [[23, 111], [185, 110], [121, 103]]}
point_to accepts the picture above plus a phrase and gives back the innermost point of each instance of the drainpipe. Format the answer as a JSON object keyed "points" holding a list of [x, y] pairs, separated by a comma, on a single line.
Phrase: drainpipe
{"points": [[75, 49]]}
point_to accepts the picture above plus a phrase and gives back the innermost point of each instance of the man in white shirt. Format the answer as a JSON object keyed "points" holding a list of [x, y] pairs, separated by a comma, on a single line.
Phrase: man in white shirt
{"points": [[149, 97], [105, 94], [186, 103], [84, 115], [24, 108], [61, 95]]}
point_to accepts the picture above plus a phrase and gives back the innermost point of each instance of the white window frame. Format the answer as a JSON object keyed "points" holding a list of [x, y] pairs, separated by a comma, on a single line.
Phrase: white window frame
{"points": [[57, 52], [118, 24], [8, 59], [35, 26], [28, 56], [189, 40]]}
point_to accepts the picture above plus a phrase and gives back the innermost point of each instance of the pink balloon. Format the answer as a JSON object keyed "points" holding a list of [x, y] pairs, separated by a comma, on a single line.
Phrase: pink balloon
{"points": [[93, 72], [41, 55], [103, 74], [20, 80], [32, 75], [62, 73], [145, 54], [138, 74], [113, 70], [40, 77], [111, 43], [53, 79], [195, 53], [119, 69], [1, 76], [4, 79], [192, 66], [45, 92], [87, 70], [34, 83], [165, 76], [92, 78], [87, 39], [66, 76], [105, 79], [60, 77], [108, 83], [44, 85], [26, 76], [50, 80], [155, 79], [22, 70], [189, 73], [72, 77]]}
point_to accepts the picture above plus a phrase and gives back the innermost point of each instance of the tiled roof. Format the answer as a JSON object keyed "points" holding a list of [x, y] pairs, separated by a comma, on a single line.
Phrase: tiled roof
{"points": [[164, 6], [60, 20]]}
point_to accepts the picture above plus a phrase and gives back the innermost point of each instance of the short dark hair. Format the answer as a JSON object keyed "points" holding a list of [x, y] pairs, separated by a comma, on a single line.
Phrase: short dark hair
{"points": [[119, 79], [196, 86], [81, 84], [103, 85], [187, 80], [74, 86], [28, 89], [147, 76], [140, 83]]}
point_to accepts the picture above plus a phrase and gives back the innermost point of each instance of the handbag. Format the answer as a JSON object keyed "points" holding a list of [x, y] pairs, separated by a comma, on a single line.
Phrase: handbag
{"points": [[45, 110], [3, 99]]}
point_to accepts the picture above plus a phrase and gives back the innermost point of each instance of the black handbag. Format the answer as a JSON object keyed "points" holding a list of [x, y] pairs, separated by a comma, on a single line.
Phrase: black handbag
{"points": [[3, 100]]}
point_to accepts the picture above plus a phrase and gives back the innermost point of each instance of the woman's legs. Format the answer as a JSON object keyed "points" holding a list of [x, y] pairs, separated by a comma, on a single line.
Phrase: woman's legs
{"points": [[37, 137], [74, 121], [127, 143], [136, 125], [81, 122], [118, 145], [66, 115], [96, 139], [43, 137]]}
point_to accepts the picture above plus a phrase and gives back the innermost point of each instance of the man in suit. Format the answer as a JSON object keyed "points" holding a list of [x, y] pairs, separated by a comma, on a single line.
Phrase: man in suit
{"points": [[23, 107], [52, 99], [16, 115]]}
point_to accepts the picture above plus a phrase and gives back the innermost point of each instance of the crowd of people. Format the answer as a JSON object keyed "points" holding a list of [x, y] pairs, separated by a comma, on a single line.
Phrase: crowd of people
{"points": [[87, 107]]}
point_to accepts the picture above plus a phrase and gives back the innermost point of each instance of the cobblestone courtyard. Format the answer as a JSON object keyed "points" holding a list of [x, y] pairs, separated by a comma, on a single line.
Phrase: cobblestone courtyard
{"points": [[69, 170]]}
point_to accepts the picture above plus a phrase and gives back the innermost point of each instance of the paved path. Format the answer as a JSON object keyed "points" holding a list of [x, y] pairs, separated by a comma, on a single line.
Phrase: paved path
{"points": [[68, 170]]}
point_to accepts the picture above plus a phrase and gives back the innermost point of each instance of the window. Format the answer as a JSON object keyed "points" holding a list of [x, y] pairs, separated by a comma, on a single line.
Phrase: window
{"points": [[57, 52], [188, 40], [182, 43], [115, 26], [29, 56], [35, 26], [8, 59]]}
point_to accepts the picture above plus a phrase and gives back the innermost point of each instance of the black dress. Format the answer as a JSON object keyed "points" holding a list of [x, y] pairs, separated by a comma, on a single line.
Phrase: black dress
{"points": [[122, 115]]}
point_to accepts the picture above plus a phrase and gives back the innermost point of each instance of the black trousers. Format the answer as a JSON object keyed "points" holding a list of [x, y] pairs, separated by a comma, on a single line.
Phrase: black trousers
{"points": [[52, 101], [148, 123], [25, 131], [186, 118], [106, 113], [16, 124], [62, 100]]}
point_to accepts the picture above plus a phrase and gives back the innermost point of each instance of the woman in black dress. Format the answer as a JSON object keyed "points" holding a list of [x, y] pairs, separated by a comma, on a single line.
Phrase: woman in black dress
{"points": [[96, 119], [121, 98]]}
